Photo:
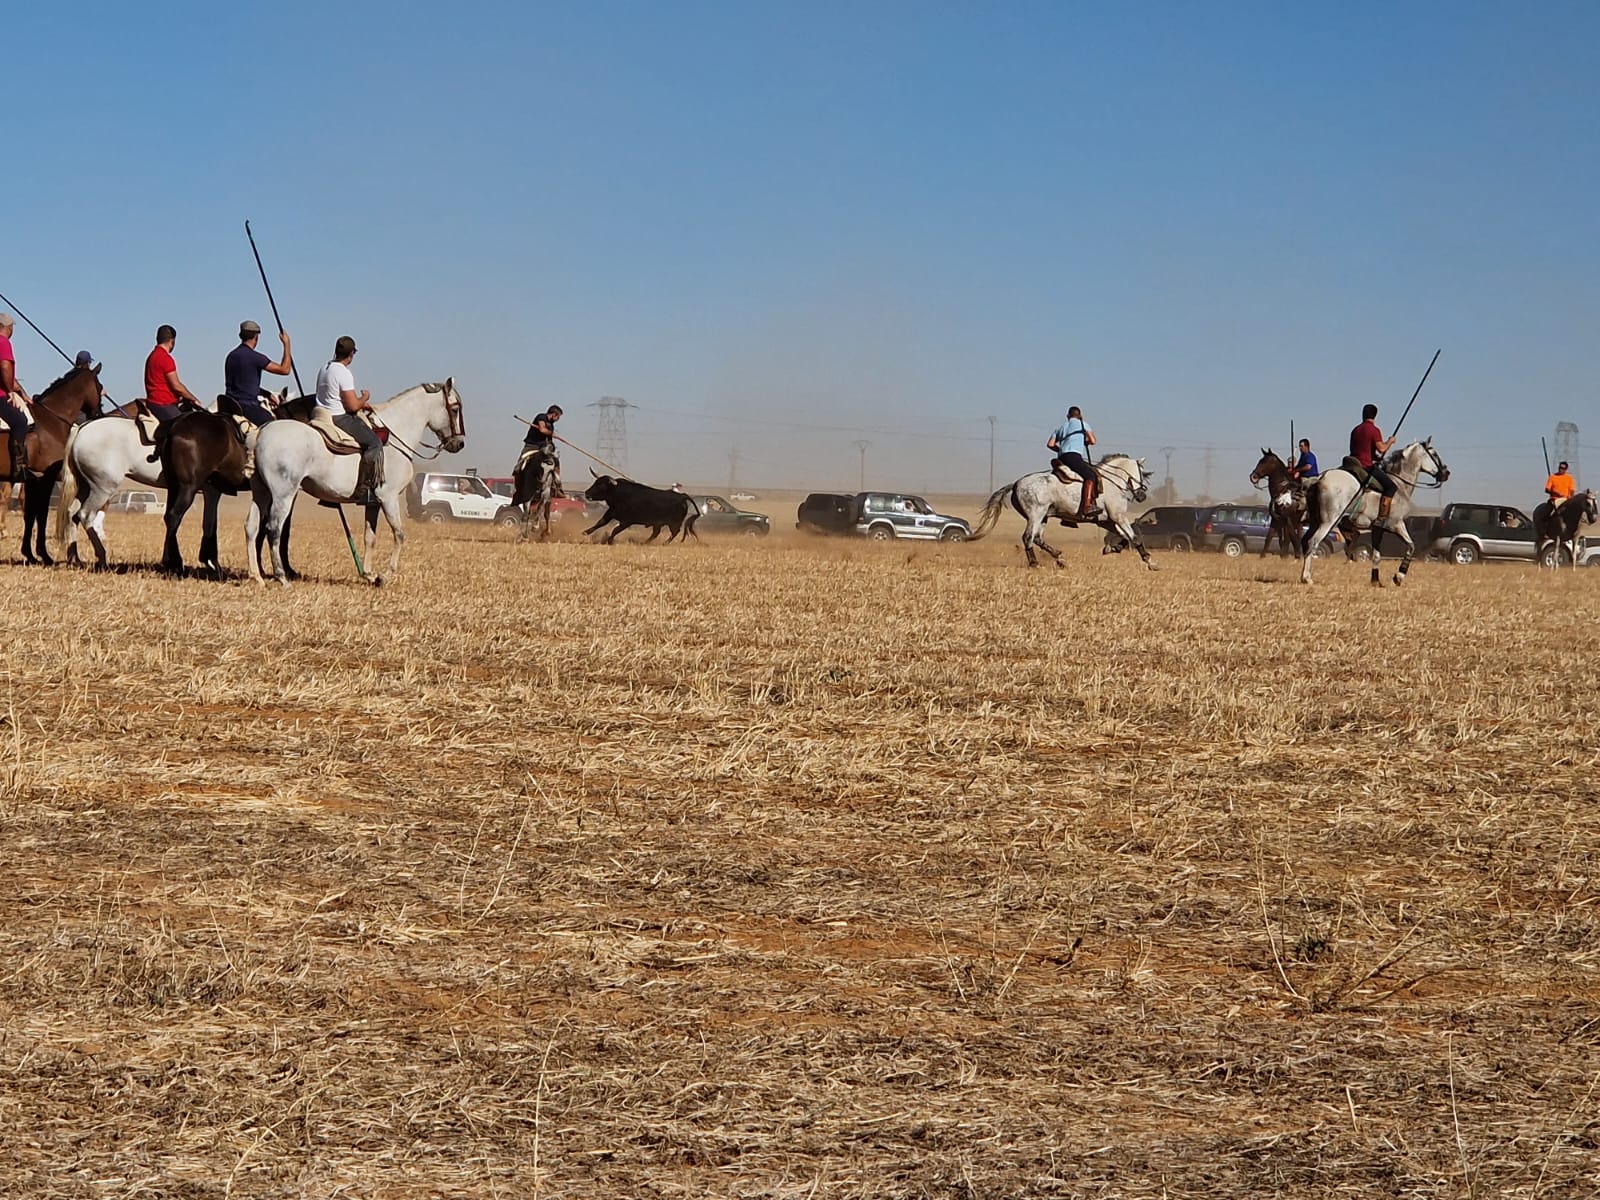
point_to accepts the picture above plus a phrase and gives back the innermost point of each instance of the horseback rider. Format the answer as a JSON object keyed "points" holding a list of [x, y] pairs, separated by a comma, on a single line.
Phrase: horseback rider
{"points": [[540, 442], [1367, 447], [1071, 443], [11, 394], [1559, 487], [1305, 467], [352, 410], [242, 372], [164, 393]]}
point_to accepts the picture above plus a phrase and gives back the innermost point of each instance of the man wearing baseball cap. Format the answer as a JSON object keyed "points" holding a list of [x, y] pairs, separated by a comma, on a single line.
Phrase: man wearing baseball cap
{"points": [[242, 371], [84, 360], [351, 411]]}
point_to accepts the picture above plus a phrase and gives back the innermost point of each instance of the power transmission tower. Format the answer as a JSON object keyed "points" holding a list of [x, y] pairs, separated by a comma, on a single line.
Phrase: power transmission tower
{"points": [[1168, 489], [611, 442], [733, 470], [862, 447], [1208, 496], [1567, 447]]}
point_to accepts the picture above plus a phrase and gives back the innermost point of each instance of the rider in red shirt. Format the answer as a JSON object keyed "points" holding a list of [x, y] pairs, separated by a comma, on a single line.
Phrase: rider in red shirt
{"points": [[163, 389], [1367, 447]]}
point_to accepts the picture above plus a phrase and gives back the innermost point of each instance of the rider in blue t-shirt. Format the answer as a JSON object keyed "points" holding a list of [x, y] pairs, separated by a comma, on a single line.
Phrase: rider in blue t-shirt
{"points": [[1071, 443], [1305, 467]]}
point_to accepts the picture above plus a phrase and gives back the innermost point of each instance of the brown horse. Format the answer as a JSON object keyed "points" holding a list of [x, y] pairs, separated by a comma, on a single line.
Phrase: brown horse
{"points": [[1288, 507], [72, 398], [202, 454]]}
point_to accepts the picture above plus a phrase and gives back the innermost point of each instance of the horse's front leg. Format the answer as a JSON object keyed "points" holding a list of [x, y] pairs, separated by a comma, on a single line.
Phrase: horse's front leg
{"points": [[369, 540], [253, 537], [1131, 536], [1405, 556], [1377, 555], [179, 499]]}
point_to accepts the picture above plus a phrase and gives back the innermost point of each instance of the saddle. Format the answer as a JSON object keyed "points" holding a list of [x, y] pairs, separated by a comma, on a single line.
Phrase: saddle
{"points": [[145, 422], [338, 441], [529, 455], [1353, 467]]}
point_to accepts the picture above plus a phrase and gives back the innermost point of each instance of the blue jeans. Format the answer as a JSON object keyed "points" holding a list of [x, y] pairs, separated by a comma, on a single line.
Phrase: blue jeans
{"points": [[14, 417]]}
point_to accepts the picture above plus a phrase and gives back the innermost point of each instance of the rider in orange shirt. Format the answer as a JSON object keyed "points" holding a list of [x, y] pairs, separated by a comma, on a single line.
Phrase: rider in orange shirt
{"points": [[1559, 487]]}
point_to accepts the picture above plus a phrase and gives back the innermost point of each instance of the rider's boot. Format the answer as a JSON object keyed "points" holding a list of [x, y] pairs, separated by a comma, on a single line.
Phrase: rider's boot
{"points": [[19, 457], [1384, 505], [367, 482], [1086, 500]]}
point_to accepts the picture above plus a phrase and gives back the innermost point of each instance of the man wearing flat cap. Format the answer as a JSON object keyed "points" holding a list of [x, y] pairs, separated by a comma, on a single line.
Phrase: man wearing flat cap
{"points": [[242, 371]]}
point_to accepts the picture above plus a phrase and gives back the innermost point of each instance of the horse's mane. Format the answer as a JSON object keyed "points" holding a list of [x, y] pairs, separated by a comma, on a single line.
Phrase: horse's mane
{"points": [[71, 373]]}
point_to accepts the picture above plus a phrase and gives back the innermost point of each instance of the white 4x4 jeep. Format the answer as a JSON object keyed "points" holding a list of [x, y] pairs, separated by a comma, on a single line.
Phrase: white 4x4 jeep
{"points": [[436, 497]]}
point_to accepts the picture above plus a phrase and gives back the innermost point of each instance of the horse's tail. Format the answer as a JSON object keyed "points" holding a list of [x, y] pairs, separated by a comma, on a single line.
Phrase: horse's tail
{"points": [[991, 513], [69, 489]]}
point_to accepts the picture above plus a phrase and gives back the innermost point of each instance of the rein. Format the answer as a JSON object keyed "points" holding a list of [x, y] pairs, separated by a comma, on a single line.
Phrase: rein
{"points": [[452, 408]]}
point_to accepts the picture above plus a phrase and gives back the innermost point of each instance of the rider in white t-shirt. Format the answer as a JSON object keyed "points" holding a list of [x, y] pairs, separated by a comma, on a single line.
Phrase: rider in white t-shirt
{"points": [[336, 394]]}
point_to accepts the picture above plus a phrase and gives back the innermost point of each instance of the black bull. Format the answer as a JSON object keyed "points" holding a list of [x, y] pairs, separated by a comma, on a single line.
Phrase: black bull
{"points": [[629, 503]]}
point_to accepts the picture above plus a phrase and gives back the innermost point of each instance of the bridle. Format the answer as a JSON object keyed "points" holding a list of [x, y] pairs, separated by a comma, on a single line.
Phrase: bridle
{"points": [[453, 414], [1439, 470], [1137, 488]]}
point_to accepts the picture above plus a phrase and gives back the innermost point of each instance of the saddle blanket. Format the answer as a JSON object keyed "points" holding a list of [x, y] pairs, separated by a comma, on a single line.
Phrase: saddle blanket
{"points": [[337, 439]]}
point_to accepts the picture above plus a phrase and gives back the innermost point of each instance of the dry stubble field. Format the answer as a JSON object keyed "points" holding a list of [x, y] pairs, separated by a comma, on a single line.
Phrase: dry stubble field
{"points": [[803, 870]]}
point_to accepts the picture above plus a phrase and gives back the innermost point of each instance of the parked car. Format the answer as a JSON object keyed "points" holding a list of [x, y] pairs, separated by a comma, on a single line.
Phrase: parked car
{"points": [[1589, 552], [743, 496], [827, 512], [1170, 527], [437, 497], [1469, 533], [718, 516], [137, 502], [881, 516], [500, 485], [1234, 529]]}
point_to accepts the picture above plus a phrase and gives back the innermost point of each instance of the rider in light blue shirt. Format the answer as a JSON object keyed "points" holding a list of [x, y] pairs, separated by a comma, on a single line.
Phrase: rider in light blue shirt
{"points": [[1071, 443]]}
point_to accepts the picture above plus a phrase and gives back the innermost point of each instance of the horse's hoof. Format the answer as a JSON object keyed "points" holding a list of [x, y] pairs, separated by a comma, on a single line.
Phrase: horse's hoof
{"points": [[1060, 566], [1152, 566]]}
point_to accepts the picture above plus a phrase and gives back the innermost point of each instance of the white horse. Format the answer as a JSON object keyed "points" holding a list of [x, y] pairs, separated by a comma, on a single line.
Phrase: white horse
{"points": [[1124, 482], [99, 455], [291, 456], [1336, 498]]}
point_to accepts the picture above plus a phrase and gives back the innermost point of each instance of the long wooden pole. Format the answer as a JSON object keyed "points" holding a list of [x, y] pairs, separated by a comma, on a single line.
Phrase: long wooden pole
{"points": [[619, 471]]}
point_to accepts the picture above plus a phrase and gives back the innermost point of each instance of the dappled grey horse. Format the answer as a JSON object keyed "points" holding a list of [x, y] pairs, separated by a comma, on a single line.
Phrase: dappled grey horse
{"points": [[1338, 498], [1124, 482]]}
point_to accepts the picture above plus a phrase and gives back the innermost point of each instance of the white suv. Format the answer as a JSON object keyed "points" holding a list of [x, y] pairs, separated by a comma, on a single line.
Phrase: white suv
{"points": [[436, 498]]}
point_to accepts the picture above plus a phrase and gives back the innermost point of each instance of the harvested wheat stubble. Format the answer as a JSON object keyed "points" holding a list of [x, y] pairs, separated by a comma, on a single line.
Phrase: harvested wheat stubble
{"points": [[806, 869]]}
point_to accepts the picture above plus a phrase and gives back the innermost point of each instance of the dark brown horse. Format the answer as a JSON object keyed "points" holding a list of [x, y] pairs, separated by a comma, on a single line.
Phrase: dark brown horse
{"points": [[202, 454], [1560, 526], [1288, 503], [72, 398]]}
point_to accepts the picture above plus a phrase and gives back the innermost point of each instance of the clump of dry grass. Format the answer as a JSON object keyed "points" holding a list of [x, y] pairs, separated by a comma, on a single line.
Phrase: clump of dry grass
{"points": [[800, 869]]}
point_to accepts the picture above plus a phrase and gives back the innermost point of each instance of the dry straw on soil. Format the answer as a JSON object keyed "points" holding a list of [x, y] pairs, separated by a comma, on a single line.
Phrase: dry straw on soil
{"points": [[797, 870]]}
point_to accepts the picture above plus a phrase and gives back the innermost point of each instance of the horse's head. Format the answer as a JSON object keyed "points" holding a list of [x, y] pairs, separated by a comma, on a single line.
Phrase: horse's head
{"points": [[1126, 474], [1588, 506], [1266, 467], [1422, 458], [446, 420]]}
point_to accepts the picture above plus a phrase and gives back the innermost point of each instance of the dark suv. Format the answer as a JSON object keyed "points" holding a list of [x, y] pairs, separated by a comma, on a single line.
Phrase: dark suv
{"points": [[1234, 528], [718, 516], [1170, 527]]}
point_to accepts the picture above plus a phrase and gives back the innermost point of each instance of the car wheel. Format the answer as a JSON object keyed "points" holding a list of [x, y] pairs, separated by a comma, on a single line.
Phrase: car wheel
{"points": [[1363, 553], [751, 531], [881, 533], [508, 520], [1464, 553], [1181, 543], [1232, 547], [1320, 550], [954, 534], [435, 516]]}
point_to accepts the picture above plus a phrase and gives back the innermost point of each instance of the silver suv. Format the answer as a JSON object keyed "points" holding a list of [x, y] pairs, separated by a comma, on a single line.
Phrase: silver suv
{"points": [[886, 515]]}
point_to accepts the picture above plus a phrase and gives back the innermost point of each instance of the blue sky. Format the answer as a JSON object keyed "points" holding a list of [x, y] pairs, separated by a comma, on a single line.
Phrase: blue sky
{"points": [[782, 228]]}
